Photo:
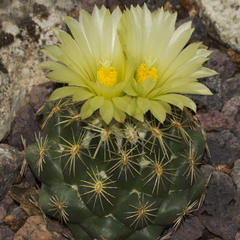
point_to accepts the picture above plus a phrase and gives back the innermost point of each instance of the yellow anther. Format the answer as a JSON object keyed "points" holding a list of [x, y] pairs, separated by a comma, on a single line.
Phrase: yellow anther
{"points": [[142, 73], [107, 76]]}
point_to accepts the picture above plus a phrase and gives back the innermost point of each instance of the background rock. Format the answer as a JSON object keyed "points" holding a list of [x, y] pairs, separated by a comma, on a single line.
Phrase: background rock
{"points": [[25, 28], [36, 229], [10, 161], [25, 125], [222, 19]]}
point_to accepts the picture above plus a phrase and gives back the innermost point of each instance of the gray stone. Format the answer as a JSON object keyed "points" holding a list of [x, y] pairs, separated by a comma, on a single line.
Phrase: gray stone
{"points": [[220, 193], [39, 94], [231, 107], [3, 213], [25, 125], [222, 19], [220, 227], [207, 170], [190, 229], [224, 147], [6, 233], [30, 26], [235, 173], [10, 161], [237, 237], [231, 88]]}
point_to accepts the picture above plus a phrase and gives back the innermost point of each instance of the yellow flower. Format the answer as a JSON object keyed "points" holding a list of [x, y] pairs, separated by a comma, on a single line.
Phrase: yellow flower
{"points": [[164, 67], [92, 63]]}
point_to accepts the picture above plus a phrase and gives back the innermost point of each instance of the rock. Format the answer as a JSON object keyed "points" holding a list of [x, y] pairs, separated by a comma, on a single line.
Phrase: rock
{"points": [[222, 64], [224, 148], [25, 125], [235, 174], [3, 213], [6, 233], [230, 108], [36, 229], [190, 229], [222, 20], [39, 94], [237, 237], [220, 193], [89, 4], [6, 202], [220, 227], [200, 33], [27, 26], [213, 120], [16, 218], [10, 161], [231, 88], [207, 170]]}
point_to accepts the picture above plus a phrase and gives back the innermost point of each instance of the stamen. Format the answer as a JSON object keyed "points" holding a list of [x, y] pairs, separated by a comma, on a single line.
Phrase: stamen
{"points": [[142, 73], [107, 76]]}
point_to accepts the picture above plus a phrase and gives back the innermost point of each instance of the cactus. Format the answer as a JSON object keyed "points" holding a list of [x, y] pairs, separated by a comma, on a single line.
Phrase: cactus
{"points": [[120, 158]]}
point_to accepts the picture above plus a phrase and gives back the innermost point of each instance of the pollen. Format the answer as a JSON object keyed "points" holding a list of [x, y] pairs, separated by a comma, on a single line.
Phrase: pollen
{"points": [[107, 76], [143, 72]]}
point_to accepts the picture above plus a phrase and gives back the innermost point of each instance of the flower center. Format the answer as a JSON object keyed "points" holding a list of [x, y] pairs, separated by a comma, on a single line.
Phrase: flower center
{"points": [[143, 72], [107, 76]]}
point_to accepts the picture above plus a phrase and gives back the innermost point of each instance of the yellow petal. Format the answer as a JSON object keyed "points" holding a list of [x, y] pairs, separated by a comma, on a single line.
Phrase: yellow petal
{"points": [[158, 111], [86, 110], [63, 92], [106, 111], [123, 103], [119, 115], [128, 89], [81, 94], [143, 104], [97, 102], [178, 100]]}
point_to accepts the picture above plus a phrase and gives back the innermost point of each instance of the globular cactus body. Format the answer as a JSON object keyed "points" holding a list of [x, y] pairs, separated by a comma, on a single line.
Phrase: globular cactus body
{"points": [[118, 181]]}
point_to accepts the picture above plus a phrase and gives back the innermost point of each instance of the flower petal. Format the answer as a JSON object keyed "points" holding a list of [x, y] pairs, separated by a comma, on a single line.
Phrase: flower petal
{"points": [[106, 111], [97, 102], [63, 92], [81, 94], [86, 110], [119, 115], [158, 111], [123, 103], [178, 100], [144, 104]]}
